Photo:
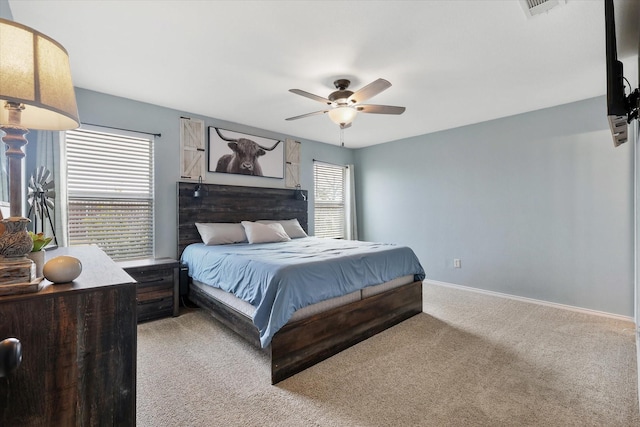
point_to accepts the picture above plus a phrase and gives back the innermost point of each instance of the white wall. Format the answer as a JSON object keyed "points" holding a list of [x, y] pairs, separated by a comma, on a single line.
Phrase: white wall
{"points": [[637, 243], [538, 205]]}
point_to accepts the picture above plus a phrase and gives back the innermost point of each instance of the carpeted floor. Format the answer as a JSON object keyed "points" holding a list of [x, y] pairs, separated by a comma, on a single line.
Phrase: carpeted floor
{"points": [[470, 360]]}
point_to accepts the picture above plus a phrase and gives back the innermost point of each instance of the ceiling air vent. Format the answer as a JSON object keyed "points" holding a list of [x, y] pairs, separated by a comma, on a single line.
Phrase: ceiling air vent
{"points": [[536, 7]]}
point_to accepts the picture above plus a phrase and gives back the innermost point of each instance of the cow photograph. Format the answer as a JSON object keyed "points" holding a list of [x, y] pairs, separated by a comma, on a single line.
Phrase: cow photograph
{"points": [[239, 153]]}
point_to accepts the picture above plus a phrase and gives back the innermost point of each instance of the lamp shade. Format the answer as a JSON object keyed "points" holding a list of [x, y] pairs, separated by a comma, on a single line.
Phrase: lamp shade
{"points": [[35, 72], [342, 115]]}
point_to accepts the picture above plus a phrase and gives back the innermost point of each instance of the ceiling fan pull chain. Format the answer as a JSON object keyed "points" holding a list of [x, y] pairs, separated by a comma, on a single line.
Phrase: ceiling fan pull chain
{"points": [[341, 136]]}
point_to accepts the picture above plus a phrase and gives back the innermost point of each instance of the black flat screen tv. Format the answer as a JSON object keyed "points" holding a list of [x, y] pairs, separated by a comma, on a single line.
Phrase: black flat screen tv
{"points": [[621, 108]]}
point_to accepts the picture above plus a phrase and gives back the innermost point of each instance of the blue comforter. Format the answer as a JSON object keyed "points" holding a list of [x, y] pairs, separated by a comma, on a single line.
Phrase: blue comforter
{"points": [[280, 278]]}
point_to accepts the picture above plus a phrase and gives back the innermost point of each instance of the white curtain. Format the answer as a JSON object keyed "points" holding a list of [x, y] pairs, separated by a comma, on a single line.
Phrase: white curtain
{"points": [[50, 152], [4, 173], [351, 222]]}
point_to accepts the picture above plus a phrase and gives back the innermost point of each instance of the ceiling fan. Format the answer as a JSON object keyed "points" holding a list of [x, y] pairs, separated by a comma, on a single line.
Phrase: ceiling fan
{"points": [[345, 104]]}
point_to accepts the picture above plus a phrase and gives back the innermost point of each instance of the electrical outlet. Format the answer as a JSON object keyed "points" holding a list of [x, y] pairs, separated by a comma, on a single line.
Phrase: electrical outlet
{"points": [[457, 263]]}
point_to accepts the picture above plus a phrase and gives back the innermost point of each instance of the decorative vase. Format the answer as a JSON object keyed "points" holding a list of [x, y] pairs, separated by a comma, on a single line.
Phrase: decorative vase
{"points": [[15, 242], [38, 259]]}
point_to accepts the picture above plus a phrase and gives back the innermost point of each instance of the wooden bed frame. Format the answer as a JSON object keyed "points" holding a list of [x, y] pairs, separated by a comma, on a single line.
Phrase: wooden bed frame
{"points": [[303, 343]]}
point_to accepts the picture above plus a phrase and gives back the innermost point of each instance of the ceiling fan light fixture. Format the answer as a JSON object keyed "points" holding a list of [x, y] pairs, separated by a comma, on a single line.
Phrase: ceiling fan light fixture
{"points": [[345, 104], [342, 115]]}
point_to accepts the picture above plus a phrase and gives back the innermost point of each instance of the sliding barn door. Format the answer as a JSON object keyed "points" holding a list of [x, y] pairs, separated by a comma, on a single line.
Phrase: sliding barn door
{"points": [[292, 165], [192, 152]]}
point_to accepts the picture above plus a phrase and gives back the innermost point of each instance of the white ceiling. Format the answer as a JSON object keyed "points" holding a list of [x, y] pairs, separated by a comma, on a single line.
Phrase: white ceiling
{"points": [[451, 63]]}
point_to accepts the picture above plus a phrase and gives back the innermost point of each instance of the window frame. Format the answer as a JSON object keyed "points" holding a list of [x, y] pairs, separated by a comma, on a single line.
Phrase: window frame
{"points": [[120, 202], [329, 209]]}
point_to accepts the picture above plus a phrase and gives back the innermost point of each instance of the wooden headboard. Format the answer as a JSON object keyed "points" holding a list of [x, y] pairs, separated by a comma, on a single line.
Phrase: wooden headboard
{"points": [[231, 203]]}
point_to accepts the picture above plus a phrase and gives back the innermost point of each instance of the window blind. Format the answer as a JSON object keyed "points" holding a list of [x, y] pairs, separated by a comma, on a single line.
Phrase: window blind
{"points": [[329, 200], [110, 190]]}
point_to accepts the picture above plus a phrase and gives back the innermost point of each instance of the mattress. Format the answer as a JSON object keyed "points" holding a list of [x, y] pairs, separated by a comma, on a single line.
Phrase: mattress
{"points": [[279, 279], [248, 310]]}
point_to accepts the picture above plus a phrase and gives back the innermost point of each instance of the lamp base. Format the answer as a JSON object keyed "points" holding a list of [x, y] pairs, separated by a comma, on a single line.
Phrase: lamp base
{"points": [[22, 288], [15, 242], [17, 272], [18, 276]]}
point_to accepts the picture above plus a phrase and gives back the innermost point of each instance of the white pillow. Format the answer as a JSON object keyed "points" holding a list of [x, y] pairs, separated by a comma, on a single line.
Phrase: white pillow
{"points": [[264, 233], [291, 226], [221, 233]]}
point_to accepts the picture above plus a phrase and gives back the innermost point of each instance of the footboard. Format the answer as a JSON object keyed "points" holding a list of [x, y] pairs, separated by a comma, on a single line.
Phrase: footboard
{"points": [[301, 344]]}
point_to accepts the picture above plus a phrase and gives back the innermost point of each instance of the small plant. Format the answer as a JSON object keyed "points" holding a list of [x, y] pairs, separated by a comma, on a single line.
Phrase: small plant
{"points": [[39, 241]]}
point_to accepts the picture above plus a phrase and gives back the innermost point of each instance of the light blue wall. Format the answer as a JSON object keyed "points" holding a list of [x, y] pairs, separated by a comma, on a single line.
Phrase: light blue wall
{"points": [[538, 205], [5, 10], [106, 110]]}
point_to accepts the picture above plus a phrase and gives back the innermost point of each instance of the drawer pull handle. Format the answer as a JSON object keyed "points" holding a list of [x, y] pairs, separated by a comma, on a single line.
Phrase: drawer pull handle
{"points": [[159, 279], [10, 356], [150, 301]]}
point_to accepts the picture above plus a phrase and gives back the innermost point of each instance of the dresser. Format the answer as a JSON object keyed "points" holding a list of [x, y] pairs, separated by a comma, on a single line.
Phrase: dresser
{"points": [[78, 348]]}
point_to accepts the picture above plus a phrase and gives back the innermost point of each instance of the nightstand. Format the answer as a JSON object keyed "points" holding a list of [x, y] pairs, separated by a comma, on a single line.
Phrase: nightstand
{"points": [[157, 290]]}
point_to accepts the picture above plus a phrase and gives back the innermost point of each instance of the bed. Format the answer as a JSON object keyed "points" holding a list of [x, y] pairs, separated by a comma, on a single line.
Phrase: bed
{"points": [[313, 333]]}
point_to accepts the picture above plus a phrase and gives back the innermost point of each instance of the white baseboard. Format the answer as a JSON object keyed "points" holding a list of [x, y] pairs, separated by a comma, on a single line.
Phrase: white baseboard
{"points": [[531, 300], [638, 359]]}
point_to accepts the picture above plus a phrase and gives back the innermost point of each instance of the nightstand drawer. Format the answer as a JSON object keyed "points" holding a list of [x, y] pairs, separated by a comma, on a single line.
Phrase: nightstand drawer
{"points": [[157, 287], [156, 308], [154, 290], [148, 275]]}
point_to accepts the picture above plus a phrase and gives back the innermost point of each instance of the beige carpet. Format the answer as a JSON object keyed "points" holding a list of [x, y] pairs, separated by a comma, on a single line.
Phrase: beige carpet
{"points": [[470, 360]]}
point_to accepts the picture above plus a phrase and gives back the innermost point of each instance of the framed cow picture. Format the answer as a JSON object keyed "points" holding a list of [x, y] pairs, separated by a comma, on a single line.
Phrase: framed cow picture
{"points": [[243, 154]]}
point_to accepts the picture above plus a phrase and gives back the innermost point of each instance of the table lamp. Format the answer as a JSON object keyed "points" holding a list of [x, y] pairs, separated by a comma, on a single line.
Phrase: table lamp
{"points": [[36, 92]]}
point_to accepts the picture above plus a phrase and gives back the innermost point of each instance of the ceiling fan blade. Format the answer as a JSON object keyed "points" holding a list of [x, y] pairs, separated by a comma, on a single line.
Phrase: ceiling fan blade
{"points": [[380, 109], [310, 95], [307, 115], [370, 90]]}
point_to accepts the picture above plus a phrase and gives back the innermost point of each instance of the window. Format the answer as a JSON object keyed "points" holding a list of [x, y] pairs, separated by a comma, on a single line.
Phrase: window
{"points": [[110, 190], [329, 216]]}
